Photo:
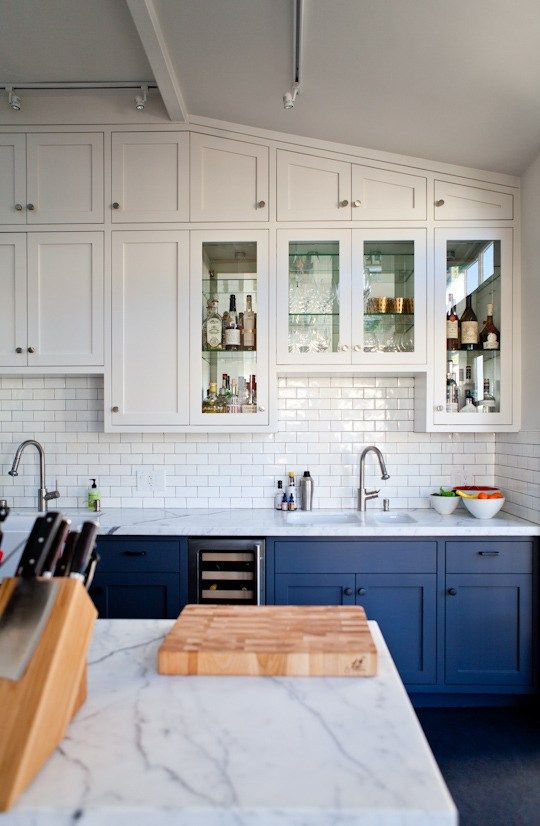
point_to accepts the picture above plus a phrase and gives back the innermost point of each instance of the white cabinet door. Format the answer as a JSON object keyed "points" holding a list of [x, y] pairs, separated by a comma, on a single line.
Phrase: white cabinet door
{"points": [[13, 300], [65, 178], [463, 202], [229, 180], [65, 298], [384, 195], [150, 328], [12, 179], [150, 176], [310, 188]]}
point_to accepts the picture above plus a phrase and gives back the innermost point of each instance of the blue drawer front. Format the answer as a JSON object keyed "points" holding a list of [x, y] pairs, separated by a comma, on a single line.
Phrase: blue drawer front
{"points": [[491, 557], [139, 554], [327, 556]]}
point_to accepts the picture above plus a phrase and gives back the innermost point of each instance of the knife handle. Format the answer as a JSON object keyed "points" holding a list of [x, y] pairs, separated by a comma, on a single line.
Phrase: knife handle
{"points": [[83, 549], [63, 566], [38, 545], [56, 549]]}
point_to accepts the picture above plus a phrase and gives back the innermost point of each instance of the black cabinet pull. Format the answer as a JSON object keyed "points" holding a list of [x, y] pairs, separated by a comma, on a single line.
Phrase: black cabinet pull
{"points": [[134, 553], [348, 592], [361, 592], [488, 553], [452, 591]]}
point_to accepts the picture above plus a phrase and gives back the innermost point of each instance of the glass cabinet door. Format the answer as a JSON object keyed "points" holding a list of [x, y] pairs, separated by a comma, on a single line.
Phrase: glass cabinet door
{"points": [[229, 302], [313, 297], [474, 326], [389, 296]]}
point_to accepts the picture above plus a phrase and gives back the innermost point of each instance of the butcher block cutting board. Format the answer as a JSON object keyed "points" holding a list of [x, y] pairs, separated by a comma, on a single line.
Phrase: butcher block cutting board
{"points": [[270, 641]]}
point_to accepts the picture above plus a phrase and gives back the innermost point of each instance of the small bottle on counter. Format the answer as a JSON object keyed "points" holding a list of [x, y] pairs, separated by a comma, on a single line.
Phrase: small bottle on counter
{"points": [[291, 504], [278, 498], [284, 503], [306, 491]]}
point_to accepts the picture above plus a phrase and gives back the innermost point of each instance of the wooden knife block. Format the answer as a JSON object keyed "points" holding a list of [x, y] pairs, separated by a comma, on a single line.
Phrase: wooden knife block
{"points": [[36, 710]]}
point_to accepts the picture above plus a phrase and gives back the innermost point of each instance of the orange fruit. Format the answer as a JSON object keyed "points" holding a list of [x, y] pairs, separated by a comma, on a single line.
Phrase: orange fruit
{"points": [[496, 495], [482, 495]]}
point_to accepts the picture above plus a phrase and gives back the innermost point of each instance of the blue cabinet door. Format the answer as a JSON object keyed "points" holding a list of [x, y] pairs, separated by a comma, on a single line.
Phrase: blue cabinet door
{"points": [[488, 629], [405, 607], [125, 595], [314, 589]]}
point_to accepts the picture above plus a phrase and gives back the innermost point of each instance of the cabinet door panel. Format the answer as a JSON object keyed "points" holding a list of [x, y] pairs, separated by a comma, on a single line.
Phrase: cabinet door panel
{"points": [[314, 589], [384, 195], [229, 180], [150, 176], [12, 299], [12, 179], [65, 178], [404, 605], [488, 629], [65, 298], [150, 340], [310, 188], [136, 596], [462, 202]]}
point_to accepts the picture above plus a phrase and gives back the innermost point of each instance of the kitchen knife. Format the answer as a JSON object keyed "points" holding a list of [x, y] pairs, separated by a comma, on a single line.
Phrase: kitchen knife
{"points": [[63, 566], [91, 570], [38, 545], [83, 550], [56, 549]]}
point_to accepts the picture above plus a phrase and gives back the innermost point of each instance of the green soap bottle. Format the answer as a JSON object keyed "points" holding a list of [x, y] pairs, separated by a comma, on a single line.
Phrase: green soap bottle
{"points": [[93, 495]]}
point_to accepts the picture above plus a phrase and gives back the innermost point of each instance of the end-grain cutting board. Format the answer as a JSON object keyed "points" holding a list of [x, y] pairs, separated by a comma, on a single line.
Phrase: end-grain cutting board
{"points": [[253, 640]]}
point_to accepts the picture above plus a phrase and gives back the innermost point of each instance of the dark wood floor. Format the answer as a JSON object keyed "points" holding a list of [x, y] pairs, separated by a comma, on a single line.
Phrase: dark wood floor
{"points": [[490, 760]]}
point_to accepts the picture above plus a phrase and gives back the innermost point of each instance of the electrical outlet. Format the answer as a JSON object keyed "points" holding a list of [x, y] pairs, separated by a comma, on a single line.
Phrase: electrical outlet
{"points": [[151, 481]]}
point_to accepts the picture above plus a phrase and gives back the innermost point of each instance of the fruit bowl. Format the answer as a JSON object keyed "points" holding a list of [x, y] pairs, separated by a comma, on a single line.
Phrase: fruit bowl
{"points": [[445, 505], [484, 508]]}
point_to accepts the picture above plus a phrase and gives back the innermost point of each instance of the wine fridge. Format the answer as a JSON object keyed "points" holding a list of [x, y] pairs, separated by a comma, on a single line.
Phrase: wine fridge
{"points": [[226, 571]]}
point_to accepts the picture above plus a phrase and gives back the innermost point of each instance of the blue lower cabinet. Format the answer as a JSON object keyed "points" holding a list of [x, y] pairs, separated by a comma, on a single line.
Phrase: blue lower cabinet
{"points": [[405, 607], [314, 589], [488, 629], [127, 595]]}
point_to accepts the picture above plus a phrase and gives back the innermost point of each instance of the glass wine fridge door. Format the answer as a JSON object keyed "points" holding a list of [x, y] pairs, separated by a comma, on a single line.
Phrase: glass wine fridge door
{"points": [[474, 327], [229, 328], [389, 296], [313, 297]]}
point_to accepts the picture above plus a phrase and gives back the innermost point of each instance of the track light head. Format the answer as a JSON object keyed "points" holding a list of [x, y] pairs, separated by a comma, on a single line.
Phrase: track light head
{"points": [[289, 98], [14, 100], [140, 100]]}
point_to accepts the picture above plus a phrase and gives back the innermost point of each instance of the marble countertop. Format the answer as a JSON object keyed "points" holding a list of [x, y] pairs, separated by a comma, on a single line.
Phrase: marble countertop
{"points": [[234, 751]]}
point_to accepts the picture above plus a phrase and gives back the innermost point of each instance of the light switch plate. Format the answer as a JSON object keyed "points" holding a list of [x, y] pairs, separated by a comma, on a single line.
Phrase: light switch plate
{"points": [[152, 481]]}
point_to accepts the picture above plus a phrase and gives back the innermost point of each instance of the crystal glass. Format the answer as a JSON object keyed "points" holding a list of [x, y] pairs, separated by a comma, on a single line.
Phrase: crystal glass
{"points": [[313, 297], [389, 296]]}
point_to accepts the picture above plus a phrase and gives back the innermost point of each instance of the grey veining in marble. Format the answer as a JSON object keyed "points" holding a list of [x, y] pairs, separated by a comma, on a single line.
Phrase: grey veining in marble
{"points": [[147, 750]]}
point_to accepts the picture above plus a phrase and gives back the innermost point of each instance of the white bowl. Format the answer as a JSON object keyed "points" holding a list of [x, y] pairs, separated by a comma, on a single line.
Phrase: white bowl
{"points": [[445, 505], [484, 508]]}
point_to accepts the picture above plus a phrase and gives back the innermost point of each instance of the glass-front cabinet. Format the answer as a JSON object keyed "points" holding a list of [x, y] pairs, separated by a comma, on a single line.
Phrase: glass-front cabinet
{"points": [[473, 327], [351, 297], [229, 327]]}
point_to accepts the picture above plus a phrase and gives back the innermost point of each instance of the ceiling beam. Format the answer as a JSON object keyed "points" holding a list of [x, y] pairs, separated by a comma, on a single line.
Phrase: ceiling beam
{"points": [[147, 23]]}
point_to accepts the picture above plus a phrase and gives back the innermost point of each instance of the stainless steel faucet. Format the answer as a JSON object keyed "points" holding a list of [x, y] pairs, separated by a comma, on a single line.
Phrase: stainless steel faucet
{"points": [[43, 494], [363, 494]]}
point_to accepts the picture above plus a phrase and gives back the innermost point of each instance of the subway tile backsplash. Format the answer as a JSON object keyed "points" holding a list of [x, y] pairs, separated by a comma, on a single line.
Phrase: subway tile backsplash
{"points": [[324, 424]]}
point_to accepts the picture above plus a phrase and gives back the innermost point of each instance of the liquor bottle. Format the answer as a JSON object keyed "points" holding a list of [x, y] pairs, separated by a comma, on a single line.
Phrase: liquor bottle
{"points": [[469, 405], [488, 404], [248, 339], [232, 330], [469, 327], [209, 404], [490, 338], [233, 402], [451, 390], [469, 387], [250, 405], [212, 328], [223, 395], [452, 326]]}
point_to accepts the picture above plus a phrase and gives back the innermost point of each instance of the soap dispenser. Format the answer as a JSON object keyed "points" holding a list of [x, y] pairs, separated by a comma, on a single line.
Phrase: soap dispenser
{"points": [[94, 497]]}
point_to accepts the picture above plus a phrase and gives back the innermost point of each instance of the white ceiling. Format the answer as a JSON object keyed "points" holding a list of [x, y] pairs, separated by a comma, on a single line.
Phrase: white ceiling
{"points": [[450, 80]]}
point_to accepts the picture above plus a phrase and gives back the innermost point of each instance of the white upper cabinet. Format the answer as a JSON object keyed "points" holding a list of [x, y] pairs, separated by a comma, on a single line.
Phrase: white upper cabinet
{"points": [[13, 303], [462, 202], [150, 329], [229, 180], [65, 298], [64, 178], [150, 176], [385, 195], [312, 188], [12, 179]]}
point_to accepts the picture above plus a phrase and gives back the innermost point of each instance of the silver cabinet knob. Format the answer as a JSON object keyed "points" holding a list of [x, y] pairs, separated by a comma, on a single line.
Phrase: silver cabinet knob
{"points": [[344, 347], [440, 202], [116, 205], [31, 349], [31, 207], [18, 207], [261, 408], [357, 348], [357, 203], [18, 349], [439, 408], [261, 204], [114, 409], [344, 203]]}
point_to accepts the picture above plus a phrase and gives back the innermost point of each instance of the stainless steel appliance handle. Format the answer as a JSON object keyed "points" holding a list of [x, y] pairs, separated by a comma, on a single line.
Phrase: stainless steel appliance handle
{"points": [[258, 549]]}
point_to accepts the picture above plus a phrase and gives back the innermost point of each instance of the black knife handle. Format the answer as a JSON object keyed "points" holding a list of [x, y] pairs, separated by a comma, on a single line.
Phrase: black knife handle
{"points": [[38, 545], [63, 566], [57, 546], [83, 549], [4, 512]]}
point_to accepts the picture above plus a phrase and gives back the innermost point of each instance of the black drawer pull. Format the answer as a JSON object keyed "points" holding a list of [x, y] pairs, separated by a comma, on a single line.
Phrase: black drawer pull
{"points": [[361, 592], [488, 553], [348, 592], [452, 592], [134, 553]]}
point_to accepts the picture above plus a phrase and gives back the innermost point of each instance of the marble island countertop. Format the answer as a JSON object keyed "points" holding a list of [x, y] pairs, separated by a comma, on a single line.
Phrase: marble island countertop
{"points": [[234, 751]]}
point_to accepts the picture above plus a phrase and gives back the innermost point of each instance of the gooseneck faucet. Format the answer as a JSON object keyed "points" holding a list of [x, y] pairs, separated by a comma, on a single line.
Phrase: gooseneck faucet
{"points": [[363, 494], [43, 494]]}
